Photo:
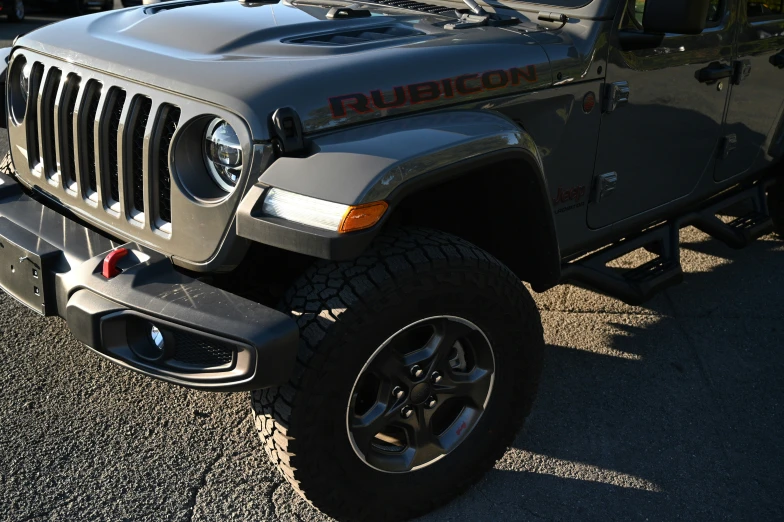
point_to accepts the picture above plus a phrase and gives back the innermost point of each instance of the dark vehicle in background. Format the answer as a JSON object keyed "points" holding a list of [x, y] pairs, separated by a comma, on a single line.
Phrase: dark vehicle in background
{"points": [[16, 10]]}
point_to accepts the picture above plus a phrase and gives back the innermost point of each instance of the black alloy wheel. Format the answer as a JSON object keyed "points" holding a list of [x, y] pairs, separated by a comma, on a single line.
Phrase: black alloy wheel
{"points": [[421, 394]]}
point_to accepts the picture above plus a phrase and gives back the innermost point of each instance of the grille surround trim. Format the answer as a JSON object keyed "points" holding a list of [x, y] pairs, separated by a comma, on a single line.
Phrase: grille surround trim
{"points": [[200, 234]]}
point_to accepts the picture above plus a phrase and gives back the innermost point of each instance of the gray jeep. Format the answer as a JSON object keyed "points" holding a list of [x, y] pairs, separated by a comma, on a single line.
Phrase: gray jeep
{"points": [[333, 204]]}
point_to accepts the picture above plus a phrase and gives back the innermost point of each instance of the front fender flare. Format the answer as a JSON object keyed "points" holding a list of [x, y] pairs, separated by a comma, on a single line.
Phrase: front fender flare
{"points": [[388, 161]]}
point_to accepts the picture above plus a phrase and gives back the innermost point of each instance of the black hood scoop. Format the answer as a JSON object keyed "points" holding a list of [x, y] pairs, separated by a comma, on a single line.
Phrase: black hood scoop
{"points": [[358, 36]]}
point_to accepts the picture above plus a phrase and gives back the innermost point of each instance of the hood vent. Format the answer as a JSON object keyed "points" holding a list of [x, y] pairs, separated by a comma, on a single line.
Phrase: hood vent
{"points": [[416, 6], [176, 5], [360, 36]]}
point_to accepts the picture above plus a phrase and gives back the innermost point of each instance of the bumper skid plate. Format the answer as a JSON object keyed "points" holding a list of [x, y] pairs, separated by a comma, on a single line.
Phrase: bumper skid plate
{"points": [[150, 317]]}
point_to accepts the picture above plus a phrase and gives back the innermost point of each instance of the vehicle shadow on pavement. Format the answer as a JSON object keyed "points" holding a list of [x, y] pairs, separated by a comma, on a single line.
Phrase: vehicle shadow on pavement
{"points": [[666, 412]]}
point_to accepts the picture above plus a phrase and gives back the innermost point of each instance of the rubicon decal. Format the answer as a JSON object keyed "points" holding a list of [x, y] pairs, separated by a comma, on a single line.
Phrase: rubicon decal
{"points": [[430, 91]]}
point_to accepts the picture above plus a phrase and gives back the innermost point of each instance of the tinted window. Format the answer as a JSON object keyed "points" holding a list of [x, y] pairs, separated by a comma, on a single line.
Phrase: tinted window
{"points": [[636, 8], [769, 8]]}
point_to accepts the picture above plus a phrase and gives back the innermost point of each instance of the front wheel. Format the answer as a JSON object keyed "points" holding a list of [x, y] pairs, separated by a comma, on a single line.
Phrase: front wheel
{"points": [[418, 364]]}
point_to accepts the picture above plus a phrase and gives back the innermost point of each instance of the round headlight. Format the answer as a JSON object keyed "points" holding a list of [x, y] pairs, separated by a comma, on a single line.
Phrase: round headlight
{"points": [[223, 154], [24, 81]]}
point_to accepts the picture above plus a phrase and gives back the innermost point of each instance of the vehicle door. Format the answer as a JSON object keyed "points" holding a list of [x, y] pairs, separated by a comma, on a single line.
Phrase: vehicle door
{"points": [[663, 136], [753, 121]]}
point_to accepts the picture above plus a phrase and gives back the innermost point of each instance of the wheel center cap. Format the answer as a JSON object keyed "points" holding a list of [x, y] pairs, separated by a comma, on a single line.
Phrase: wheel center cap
{"points": [[420, 393]]}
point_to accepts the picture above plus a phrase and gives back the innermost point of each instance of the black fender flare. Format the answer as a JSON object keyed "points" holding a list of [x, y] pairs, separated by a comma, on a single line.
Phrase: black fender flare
{"points": [[389, 161]]}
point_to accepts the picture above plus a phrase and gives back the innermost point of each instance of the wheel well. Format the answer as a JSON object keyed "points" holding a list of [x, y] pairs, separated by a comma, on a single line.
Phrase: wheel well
{"points": [[500, 207]]}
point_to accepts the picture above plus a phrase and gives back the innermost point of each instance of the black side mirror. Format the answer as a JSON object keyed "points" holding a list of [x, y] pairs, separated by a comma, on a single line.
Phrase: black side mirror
{"points": [[675, 16]]}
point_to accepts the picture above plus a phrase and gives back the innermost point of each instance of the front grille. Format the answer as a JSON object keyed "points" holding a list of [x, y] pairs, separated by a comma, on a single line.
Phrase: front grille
{"points": [[164, 174], [126, 157], [88, 133], [137, 150], [84, 132], [67, 153], [115, 113]]}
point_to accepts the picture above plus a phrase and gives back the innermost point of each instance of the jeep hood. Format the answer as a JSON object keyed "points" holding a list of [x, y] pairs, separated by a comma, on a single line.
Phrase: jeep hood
{"points": [[333, 72]]}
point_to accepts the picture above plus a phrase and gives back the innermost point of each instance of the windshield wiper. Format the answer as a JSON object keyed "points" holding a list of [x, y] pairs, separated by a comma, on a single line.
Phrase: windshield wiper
{"points": [[479, 17]]}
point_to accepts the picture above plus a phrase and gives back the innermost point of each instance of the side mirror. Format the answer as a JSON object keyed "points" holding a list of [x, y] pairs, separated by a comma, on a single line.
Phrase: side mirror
{"points": [[675, 16]]}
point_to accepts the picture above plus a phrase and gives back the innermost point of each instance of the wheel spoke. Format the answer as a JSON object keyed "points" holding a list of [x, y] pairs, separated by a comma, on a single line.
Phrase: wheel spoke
{"points": [[421, 439], [366, 426], [448, 332], [472, 386]]}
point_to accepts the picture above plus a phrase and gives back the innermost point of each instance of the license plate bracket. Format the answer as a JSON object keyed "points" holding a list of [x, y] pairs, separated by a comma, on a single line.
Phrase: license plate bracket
{"points": [[26, 267]]}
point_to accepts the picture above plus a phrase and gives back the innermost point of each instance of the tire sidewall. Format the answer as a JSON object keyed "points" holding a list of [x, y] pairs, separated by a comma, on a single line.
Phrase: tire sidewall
{"points": [[468, 294]]}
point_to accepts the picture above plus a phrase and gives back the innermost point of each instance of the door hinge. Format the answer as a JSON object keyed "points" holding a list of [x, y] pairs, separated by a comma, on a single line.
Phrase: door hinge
{"points": [[742, 70], [728, 144], [616, 95]]}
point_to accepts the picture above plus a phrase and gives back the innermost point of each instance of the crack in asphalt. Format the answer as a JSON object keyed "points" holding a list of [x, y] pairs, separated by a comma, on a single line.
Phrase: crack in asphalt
{"points": [[193, 491], [271, 497]]}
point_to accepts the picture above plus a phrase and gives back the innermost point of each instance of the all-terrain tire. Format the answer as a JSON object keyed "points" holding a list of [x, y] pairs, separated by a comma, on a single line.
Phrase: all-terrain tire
{"points": [[776, 207], [345, 312], [7, 165]]}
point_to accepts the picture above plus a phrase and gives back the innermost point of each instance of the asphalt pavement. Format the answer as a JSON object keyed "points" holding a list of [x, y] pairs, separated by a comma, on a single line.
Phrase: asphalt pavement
{"points": [[672, 410]]}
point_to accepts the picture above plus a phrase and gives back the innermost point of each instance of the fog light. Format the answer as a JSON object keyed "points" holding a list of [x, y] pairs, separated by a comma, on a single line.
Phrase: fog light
{"points": [[157, 338]]}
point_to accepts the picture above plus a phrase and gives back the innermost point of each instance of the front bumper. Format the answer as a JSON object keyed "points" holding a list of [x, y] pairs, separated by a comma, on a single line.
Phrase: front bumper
{"points": [[212, 340]]}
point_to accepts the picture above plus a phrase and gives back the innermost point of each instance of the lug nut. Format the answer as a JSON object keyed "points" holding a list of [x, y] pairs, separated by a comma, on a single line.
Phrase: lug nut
{"points": [[416, 371], [398, 392], [435, 377], [406, 412], [431, 403]]}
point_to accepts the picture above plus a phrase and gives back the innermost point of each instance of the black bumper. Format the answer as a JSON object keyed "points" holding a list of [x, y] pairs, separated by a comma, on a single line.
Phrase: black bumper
{"points": [[212, 340]]}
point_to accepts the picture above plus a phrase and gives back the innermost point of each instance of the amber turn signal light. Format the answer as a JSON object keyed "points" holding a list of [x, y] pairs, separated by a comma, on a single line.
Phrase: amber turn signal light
{"points": [[361, 217]]}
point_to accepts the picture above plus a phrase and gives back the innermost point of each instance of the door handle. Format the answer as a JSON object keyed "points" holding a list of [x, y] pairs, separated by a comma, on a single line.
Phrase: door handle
{"points": [[777, 60], [714, 72]]}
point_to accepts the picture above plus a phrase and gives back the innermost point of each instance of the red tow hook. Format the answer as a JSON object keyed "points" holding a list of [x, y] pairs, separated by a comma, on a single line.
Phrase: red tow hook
{"points": [[110, 262]]}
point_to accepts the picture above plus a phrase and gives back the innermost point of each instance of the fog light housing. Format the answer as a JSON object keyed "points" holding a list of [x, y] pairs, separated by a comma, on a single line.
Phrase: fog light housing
{"points": [[149, 342]]}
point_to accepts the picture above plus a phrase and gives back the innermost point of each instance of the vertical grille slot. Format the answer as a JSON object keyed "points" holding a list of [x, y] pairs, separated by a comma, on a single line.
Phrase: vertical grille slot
{"points": [[31, 116], [139, 117], [87, 134], [66, 116], [171, 118], [114, 109], [48, 96]]}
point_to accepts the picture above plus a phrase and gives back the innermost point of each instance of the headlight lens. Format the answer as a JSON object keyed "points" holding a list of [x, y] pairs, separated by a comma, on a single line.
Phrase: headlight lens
{"points": [[223, 154], [24, 81], [322, 214]]}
